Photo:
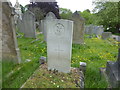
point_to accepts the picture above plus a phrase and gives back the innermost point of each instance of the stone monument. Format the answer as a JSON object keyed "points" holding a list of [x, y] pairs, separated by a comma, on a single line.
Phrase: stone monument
{"points": [[78, 28], [113, 72], [18, 9], [59, 44], [49, 16], [106, 35], [20, 25], [10, 50], [29, 24]]}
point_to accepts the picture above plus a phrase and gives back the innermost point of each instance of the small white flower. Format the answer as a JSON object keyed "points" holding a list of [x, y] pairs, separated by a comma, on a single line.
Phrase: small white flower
{"points": [[57, 85], [62, 80]]}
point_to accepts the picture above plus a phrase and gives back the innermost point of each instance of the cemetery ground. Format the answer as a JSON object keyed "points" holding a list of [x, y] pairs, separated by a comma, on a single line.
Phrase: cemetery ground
{"points": [[95, 52]]}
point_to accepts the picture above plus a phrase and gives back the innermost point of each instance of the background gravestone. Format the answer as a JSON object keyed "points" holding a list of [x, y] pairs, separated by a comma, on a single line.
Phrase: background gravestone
{"points": [[10, 50], [20, 25], [29, 24], [86, 30], [49, 16], [106, 35], [59, 44], [91, 29], [113, 72], [78, 30]]}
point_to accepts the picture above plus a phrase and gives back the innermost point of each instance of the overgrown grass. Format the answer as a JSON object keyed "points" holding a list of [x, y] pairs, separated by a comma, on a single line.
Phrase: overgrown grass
{"points": [[15, 75], [95, 53]]}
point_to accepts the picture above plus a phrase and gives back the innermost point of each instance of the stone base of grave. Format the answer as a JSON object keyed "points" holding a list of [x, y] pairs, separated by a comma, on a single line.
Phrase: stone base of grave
{"points": [[40, 73], [113, 74]]}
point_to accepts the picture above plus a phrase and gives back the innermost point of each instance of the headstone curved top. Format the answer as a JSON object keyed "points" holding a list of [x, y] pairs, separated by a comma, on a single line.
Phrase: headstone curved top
{"points": [[78, 32], [29, 25], [50, 15], [77, 16]]}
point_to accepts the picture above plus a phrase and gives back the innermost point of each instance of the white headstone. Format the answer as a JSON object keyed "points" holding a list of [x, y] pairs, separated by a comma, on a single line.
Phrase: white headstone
{"points": [[59, 44], [29, 24]]}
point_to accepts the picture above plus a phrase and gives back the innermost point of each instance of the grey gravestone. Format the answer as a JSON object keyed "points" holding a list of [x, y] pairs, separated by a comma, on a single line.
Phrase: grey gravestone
{"points": [[91, 28], [59, 44], [86, 30], [10, 50], [113, 72], [20, 25], [78, 28], [49, 16], [29, 24], [106, 35]]}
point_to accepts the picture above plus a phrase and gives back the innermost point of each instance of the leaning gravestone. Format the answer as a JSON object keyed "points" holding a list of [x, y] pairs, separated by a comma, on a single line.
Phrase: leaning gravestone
{"points": [[49, 16], [10, 50], [59, 44], [78, 30], [106, 35], [113, 72], [29, 24]]}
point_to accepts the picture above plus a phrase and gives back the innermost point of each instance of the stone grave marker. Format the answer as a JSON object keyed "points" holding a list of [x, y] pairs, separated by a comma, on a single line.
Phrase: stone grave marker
{"points": [[113, 72], [49, 16], [29, 24], [20, 25], [78, 28], [59, 44], [106, 35], [10, 50], [86, 30]]}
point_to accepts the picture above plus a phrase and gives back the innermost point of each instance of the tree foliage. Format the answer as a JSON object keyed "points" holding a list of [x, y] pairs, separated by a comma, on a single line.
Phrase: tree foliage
{"points": [[107, 14], [40, 9], [65, 13]]}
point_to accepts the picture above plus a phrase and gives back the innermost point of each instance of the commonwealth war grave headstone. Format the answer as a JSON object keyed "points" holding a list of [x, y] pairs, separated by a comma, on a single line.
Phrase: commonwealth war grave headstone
{"points": [[59, 44]]}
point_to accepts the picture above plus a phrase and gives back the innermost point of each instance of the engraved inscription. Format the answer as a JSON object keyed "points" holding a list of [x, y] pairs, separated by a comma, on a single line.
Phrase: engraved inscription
{"points": [[59, 29]]}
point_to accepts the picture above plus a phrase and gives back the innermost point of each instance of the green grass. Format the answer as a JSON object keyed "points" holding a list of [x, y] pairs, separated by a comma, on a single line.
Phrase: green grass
{"points": [[95, 53], [22, 72]]}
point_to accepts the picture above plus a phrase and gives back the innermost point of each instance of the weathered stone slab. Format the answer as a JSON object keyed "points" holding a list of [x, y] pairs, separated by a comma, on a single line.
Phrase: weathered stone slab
{"points": [[10, 50], [78, 30], [20, 25], [49, 16], [59, 44], [29, 24], [106, 35]]}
